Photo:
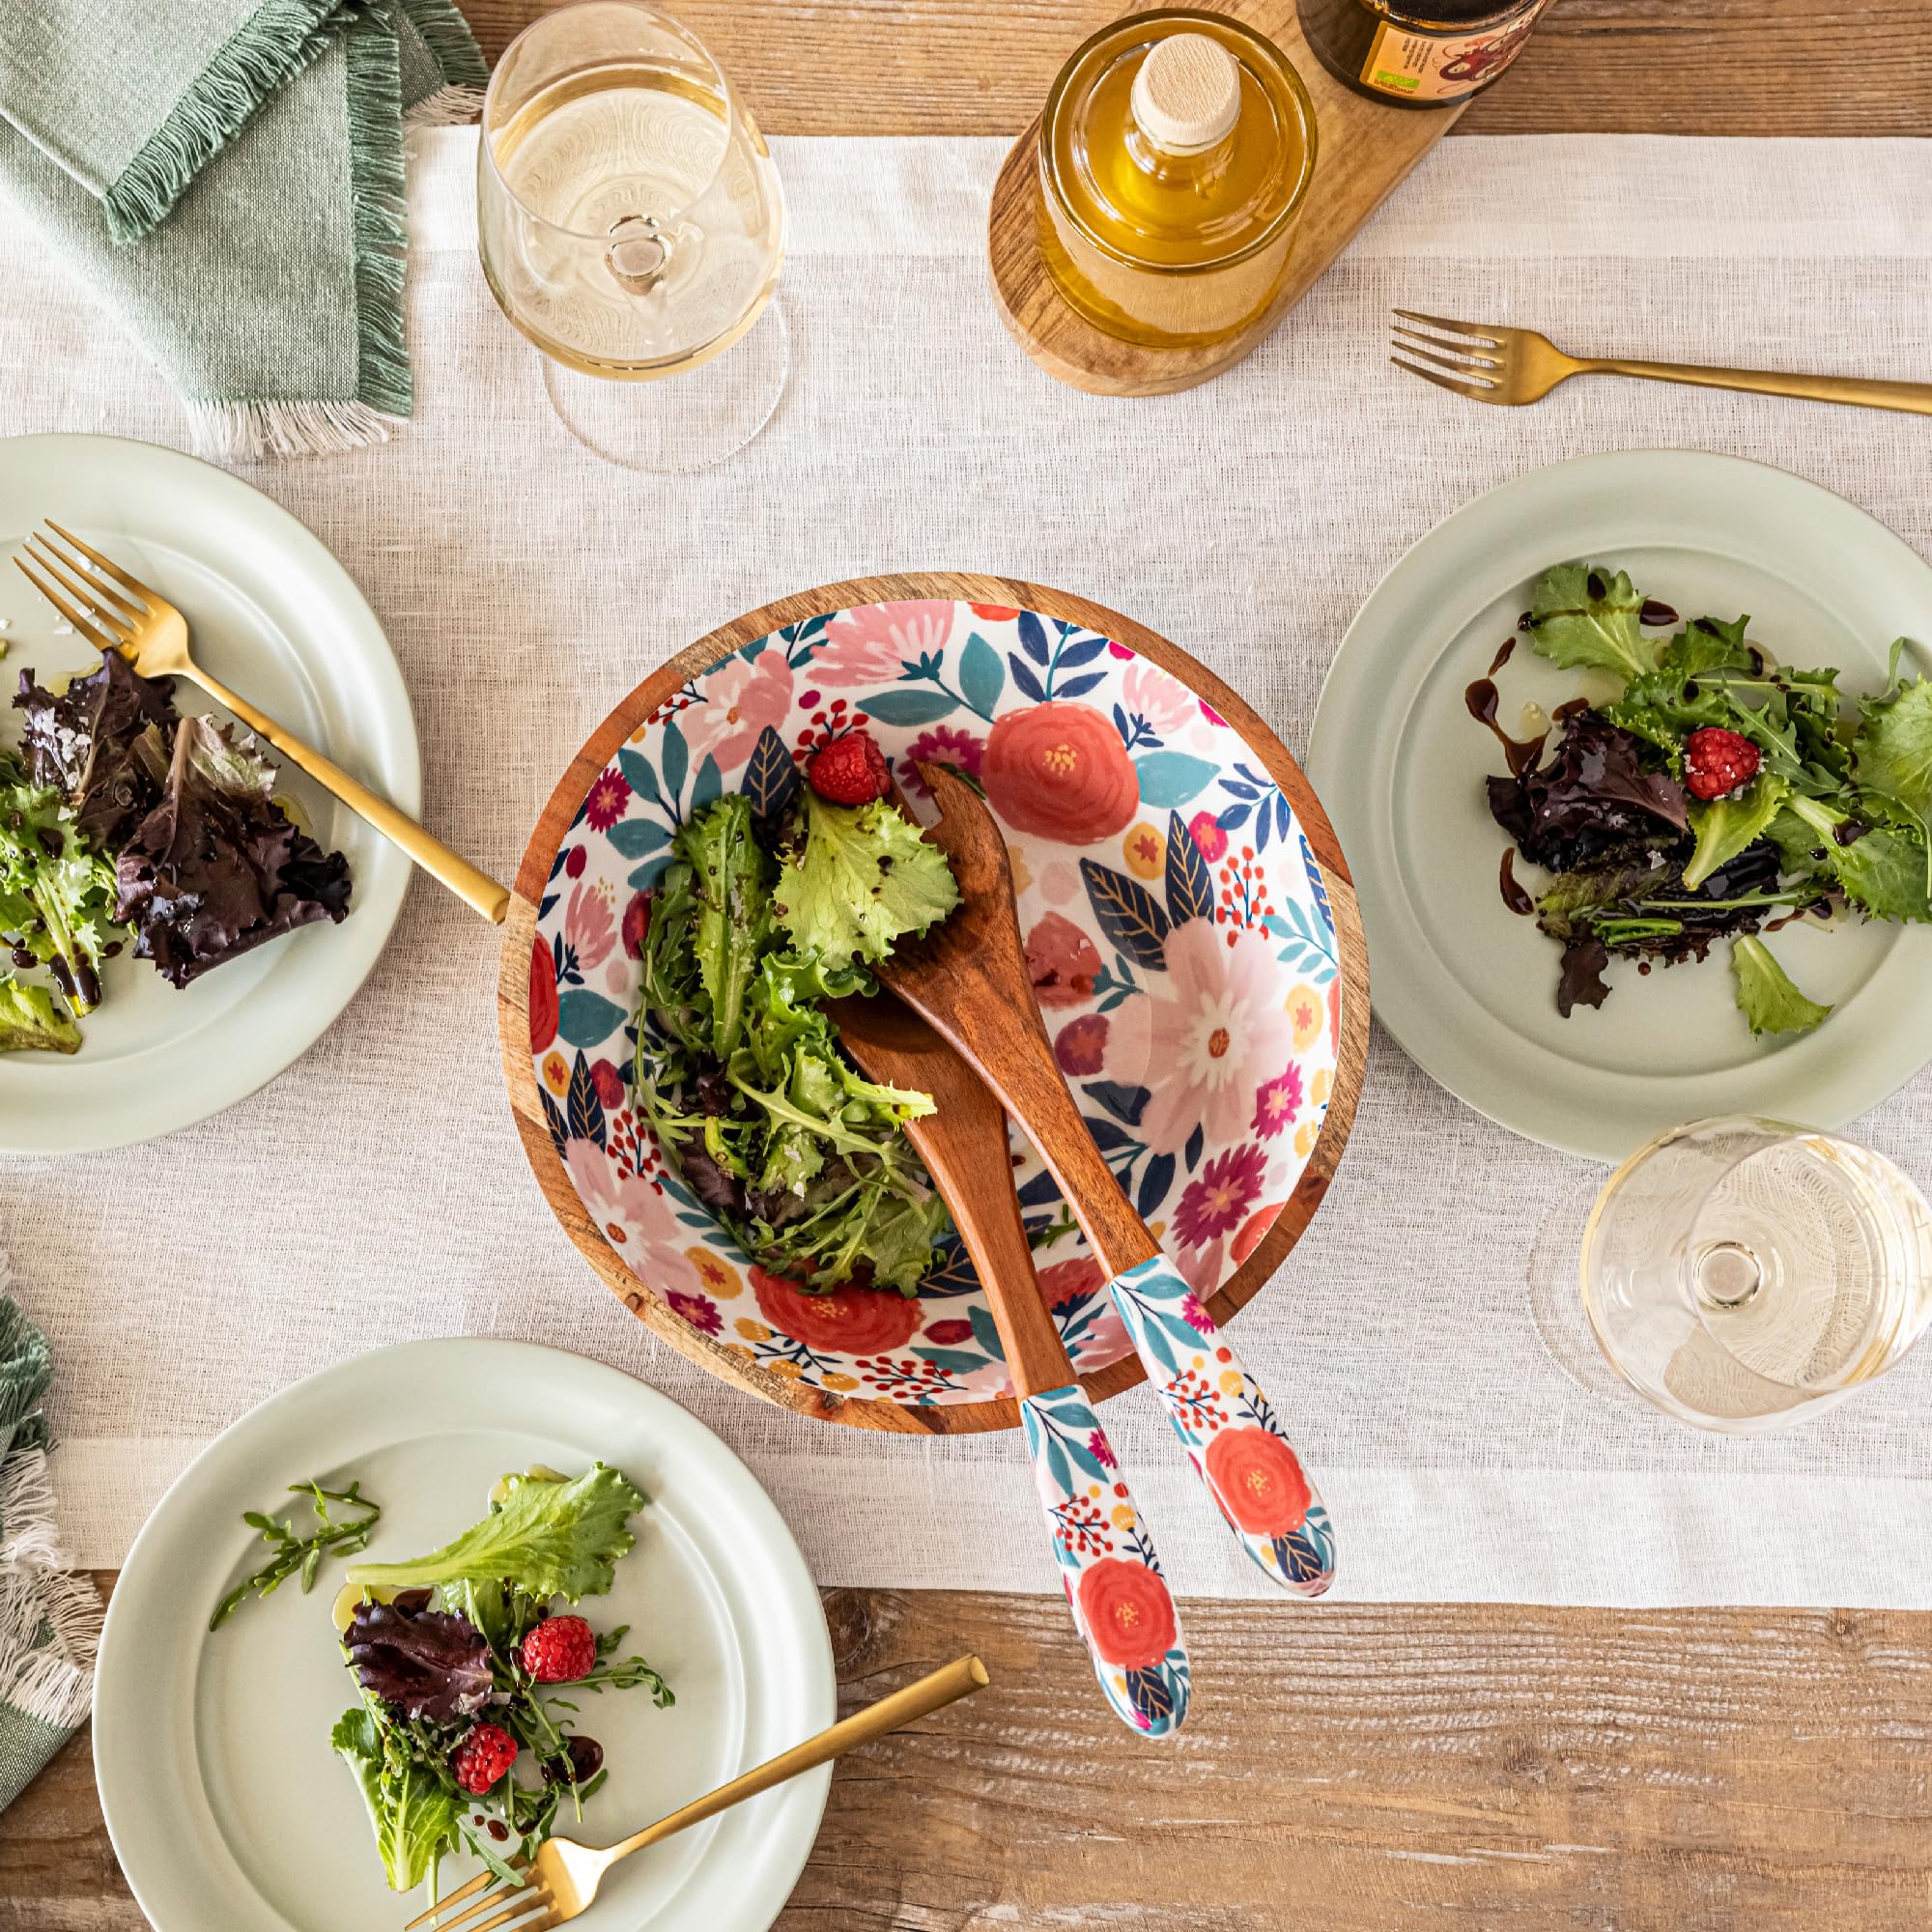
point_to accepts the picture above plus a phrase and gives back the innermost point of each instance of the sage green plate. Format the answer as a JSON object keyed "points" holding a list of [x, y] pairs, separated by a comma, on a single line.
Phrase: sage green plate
{"points": [[1467, 987]]}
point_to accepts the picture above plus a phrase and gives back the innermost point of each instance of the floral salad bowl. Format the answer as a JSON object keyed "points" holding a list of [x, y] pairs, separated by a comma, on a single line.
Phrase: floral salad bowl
{"points": [[1192, 934]]}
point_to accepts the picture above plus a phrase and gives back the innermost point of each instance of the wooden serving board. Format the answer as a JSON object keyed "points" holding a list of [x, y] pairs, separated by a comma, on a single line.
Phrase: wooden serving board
{"points": [[513, 1023], [1362, 153]]}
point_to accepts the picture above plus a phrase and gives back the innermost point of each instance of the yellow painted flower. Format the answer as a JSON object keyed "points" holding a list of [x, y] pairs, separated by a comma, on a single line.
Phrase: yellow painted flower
{"points": [[1231, 1381], [1124, 1516], [739, 1348], [1321, 1086], [1022, 871], [720, 1278], [838, 1383], [1144, 850], [753, 1331], [556, 1073], [1304, 1138], [1306, 1013], [789, 1370]]}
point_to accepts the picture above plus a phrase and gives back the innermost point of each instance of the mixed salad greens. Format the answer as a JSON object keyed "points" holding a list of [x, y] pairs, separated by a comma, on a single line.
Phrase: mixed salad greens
{"points": [[1715, 789], [123, 821], [738, 1067], [462, 1663]]}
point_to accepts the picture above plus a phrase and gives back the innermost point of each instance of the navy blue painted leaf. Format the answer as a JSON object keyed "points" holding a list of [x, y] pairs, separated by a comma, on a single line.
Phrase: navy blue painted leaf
{"points": [[709, 783], [633, 838], [559, 1130], [1127, 913], [1283, 814], [556, 863], [771, 779], [673, 757], [1262, 824], [587, 1019], [1125, 1103], [1122, 727], [1108, 1135], [1190, 885], [1235, 790], [1235, 814], [984, 1333], [1079, 687], [1197, 1143], [584, 1117], [1040, 1191], [1082, 650], [981, 675], [1023, 676], [1299, 1559], [1148, 1694], [646, 876], [952, 1274], [1155, 1179], [1033, 637], [1315, 885], [909, 707]]}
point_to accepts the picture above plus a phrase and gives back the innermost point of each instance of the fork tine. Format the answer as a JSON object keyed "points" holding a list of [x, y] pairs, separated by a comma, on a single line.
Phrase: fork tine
{"points": [[526, 1903], [1473, 371], [1481, 331], [103, 597], [516, 1900], [109, 616], [1468, 354], [481, 1881], [127, 581], [1470, 389], [99, 639]]}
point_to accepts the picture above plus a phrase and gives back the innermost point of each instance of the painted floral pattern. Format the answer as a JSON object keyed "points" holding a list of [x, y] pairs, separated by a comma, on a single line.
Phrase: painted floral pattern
{"points": [[1177, 931]]}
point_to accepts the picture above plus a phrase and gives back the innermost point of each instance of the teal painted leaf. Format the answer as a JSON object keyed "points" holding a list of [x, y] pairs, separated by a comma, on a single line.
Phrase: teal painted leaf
{"points": [[981, 675], [909, 707], [1172, 777], [587, 1019], [1127, 913], [673, 757], [1057, 1465], [985, 1333], [646, 876], [638, 774], [636, 836], [709, 783], [1190, 884]]}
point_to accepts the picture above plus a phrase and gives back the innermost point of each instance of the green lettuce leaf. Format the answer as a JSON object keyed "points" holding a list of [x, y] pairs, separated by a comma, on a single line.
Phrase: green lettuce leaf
{"points": [[1726, 826], [730, 879], [547, 1539], [412, 1813], [1882, 870], [1892, 752], [1766, 996], [1583, 617], [864, 878], [30, 1022]]}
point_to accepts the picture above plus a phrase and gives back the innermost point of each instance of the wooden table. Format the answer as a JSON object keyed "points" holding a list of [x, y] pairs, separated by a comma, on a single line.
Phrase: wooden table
{"points": [[1351, 1768]]}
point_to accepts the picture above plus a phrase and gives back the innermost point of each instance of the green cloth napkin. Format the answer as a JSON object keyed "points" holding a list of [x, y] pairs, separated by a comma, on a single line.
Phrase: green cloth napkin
{"points": [[49, 1620], [227, 176]]}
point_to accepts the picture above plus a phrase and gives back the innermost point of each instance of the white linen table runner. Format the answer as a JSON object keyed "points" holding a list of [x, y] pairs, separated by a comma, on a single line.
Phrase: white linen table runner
{"points": [[377, 1193]]}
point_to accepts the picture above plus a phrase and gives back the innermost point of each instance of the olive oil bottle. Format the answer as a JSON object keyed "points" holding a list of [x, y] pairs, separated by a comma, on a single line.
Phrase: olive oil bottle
{"points": [[1175, 151]]}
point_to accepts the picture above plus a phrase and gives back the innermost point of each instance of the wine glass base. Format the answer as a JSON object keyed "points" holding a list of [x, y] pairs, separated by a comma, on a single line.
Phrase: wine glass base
{"points": [[1556, 1298], [683, 422]]}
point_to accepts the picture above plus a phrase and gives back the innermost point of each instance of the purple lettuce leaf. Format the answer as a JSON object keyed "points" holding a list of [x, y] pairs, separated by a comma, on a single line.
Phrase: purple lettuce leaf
{"points": [[1592, 800], [83, 743], [428, 1664]]}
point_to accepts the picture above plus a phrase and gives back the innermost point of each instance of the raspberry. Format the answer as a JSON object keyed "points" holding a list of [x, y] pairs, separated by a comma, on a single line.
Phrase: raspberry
{"points": [[1716, 762], [559, 1650], [851, 769], [483, 1757]]}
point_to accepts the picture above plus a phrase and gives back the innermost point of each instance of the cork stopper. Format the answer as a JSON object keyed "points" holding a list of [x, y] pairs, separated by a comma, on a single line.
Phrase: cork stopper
{"points": [[1187, 95]]}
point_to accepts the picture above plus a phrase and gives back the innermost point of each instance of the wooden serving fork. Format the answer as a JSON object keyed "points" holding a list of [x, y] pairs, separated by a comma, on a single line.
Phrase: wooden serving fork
{"points": [[114, 610], [968, 976], [1128, 1622]]}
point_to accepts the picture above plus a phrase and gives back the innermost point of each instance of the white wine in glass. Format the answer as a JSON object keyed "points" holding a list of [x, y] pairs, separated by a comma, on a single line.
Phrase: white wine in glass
{"points": [[1743, 1273], [631, 226]]}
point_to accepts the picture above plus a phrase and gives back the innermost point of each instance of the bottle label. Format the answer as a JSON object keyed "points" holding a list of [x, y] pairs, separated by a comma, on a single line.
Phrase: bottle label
{"points": [[1443, 67]]}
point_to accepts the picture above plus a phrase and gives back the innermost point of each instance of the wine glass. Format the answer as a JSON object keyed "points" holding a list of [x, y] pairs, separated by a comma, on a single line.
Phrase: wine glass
{"points": [[1743, 1273], [631, 226]]}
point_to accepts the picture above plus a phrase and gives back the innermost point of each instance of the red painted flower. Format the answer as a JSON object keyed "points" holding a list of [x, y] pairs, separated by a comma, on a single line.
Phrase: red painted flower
{"points": [[942, 1334], [857, 1320], [1062, 960], [1081, 1047], [995, 613], [939, 745], [702, 1315], [1277, 1102], [574, 862], [543, 995], [1066, 1282], [1101, 1450], [609, 1082], [1206, 832], [636, 924], [1258, 1481], [1253, 1229], [1218, 1198], [1059, 771], [1129, 1614], [609, 797]]}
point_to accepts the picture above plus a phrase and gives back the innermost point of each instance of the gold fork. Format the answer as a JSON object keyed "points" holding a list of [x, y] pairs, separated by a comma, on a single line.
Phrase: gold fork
{"points": [[1490, 363], [116, 612], [562, 1880]]}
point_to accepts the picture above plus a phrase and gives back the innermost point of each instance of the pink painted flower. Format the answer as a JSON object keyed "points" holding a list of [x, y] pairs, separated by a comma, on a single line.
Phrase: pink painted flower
{"points": [[1212, 716], [946, 1333], [1115, 650], [1081, 1047], [943, 744], [740, 699], [605, 806], [1101, 1450], [1217, 1198], [1207, 836], [1149, 693], [870, 645], [1277, 1102], [1193, 1314], [588, 929], [1066, 1282], [1216, 1032], [1063, 962], [702, 1315]]}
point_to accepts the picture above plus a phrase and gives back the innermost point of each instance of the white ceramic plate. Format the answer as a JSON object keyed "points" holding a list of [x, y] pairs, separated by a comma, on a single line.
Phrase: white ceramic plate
{"points": [[225, 1804], [1469, 988], [278, 618]]}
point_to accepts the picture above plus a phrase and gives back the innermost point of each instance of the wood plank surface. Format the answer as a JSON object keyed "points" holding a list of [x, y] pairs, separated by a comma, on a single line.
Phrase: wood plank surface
{"points": [[1619, 67], [1351, 1768]]}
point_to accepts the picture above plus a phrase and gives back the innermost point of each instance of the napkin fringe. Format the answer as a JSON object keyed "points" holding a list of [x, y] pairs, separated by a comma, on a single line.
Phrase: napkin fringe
{"points": [[50, 1639], [446, 34], [276, 42], [26, 1517]]}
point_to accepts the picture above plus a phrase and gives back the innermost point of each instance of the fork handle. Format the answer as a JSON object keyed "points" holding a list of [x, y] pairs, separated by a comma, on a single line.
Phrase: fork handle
{"points": [[475, 888], [1915, 398]]}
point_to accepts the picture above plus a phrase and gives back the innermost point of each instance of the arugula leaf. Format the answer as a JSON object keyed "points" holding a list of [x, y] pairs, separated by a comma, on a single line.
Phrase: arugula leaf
{"points": [[864, 878], [1880, 870], [547, 1539], [1582, 617], [730, 882], [1766, 996], [29, 1021], [1891, 753], [57, 892], [412, 1813], [1726, 826]]}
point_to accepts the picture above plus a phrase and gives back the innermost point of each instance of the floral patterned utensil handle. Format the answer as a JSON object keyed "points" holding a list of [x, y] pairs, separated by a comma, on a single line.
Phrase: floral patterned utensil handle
{"points": [[1227, 1427], [1114, 1586]]}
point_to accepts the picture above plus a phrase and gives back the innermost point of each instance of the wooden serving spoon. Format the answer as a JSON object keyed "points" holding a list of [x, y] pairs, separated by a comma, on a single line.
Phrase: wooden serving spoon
{"points": [[969, 979], [1126, 1621]]}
